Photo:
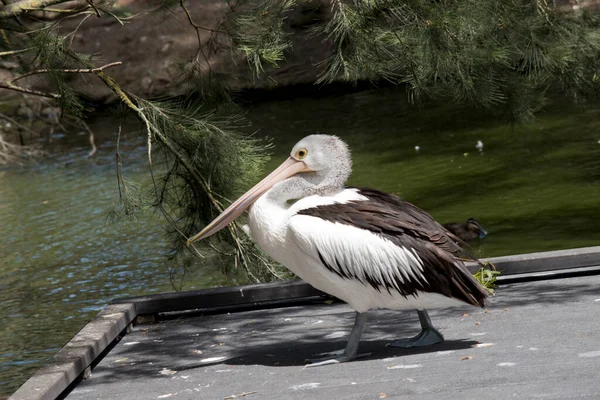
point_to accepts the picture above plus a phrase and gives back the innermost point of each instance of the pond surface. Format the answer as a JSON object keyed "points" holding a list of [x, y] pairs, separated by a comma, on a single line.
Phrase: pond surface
{"points": [[534, 187]]}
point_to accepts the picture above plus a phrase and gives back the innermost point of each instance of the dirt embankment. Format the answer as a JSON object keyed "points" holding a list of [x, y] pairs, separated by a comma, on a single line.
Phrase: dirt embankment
{"points": [[154, 46]]}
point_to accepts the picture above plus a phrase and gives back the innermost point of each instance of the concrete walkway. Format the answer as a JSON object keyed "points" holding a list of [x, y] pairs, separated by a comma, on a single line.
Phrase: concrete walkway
{"points": [[537, 340]]}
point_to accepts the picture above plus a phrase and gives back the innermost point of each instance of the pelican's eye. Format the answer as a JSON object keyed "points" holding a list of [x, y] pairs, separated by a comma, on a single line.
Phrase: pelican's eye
{"points": [[302, 153]]}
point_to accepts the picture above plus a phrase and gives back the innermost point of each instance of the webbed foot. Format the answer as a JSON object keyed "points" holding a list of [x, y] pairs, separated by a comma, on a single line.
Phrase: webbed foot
{"points": [[426, 337], [331, 359]]}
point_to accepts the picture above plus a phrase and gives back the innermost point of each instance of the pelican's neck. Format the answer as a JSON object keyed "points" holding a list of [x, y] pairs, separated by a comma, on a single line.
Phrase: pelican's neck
{"points": [[304, 185]]}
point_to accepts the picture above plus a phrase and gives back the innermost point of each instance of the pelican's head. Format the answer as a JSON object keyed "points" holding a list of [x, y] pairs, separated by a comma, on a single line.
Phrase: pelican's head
{"points": [[324, 154], [326, 157]]}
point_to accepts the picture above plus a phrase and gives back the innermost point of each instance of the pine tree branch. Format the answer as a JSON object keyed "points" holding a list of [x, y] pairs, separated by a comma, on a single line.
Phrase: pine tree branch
{"points": [[10, 86], [119, 162], [196, 26], [74, 32], [151, 131], [124, 97], [56, 10], [13, 52], [20, 7], [91, 3], [69, 71], [50, 14]]}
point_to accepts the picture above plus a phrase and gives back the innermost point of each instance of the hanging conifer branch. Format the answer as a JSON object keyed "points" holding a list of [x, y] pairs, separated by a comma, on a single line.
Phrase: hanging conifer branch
{"points": [[465, 51], [16, 88], [241, 158], [504, 56], [66, 71], [259, 34], [188, 137], [13, 52], [19, 7]]}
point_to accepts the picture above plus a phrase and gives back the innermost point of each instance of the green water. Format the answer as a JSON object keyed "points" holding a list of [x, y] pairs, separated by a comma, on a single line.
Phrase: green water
{"points": [[533, 187], [61, 259]]}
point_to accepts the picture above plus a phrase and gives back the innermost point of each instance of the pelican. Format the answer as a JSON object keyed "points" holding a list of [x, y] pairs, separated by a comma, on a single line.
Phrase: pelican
{"points": [[368, 248]]}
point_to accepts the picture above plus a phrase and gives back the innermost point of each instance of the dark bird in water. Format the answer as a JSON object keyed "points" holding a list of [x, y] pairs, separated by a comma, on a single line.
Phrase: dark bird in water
{"points": [[368, 248], [467, 231]]}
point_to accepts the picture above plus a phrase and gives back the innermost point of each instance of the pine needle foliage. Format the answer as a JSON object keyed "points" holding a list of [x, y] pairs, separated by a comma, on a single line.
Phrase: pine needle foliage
{"points": [[480, 52], [259, 34], [133, 201], [198, 160], [53, 54], [205, 162], [48, 52]]}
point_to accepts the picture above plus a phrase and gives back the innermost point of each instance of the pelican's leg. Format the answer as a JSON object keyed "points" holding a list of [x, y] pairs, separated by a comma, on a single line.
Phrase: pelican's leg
{"points": [[350, 353], [428, 335]]}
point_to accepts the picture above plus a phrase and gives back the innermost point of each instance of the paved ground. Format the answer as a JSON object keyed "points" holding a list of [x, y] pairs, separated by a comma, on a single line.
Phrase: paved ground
{"points": [[537, 340]]}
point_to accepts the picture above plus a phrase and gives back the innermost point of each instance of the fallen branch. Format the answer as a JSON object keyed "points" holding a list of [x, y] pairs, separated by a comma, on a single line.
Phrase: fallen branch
{"points": [[92, 142], [13, 154], [16, 123]]}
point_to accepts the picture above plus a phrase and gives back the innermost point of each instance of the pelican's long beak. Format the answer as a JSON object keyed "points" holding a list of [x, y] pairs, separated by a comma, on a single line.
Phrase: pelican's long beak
{"points": [[289, 168]]}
